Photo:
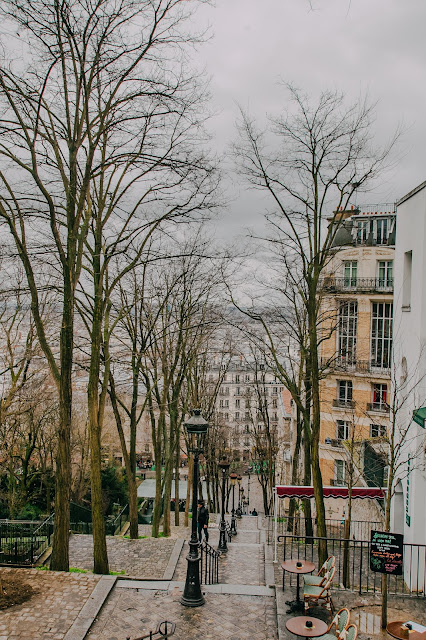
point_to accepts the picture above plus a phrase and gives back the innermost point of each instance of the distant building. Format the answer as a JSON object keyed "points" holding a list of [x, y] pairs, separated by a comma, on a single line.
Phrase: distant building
{"points": [[356, 325]]}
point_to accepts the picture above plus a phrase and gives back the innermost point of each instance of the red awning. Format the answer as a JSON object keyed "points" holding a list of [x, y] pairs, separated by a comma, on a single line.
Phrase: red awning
{"points": [[290, 491]]}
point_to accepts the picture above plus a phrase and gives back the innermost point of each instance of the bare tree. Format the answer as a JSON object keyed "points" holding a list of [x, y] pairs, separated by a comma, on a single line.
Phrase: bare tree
{"points": [[95, 71], [310, 162]]}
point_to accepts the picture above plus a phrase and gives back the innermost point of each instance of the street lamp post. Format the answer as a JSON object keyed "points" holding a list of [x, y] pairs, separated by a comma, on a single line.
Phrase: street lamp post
{"points": [[223, 547], [233, 477], [239, 511], [196, 428], [248, 489]]}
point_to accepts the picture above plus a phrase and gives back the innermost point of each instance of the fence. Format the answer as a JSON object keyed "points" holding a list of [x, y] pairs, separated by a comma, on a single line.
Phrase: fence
{"points": [[23, 543], [297, 525], [360, 578], [209, 568]]}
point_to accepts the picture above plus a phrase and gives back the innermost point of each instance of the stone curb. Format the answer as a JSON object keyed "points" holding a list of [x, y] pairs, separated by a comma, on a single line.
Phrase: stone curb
{"points": [[87, 615], [223, 589], [173, 560]]}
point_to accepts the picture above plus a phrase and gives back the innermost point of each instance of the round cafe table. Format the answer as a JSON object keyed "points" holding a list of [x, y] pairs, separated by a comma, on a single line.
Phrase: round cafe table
{"points": [[291, 567], [298, 627], [397, 630]]}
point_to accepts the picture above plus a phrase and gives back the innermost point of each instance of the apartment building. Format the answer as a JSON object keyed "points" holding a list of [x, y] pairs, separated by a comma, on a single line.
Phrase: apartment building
{"points": [[251, 408], [357, 310]]}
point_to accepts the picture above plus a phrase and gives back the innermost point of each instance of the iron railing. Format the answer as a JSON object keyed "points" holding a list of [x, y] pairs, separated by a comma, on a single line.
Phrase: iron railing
{"points": [[114, 525], [384, 285], [298, 525], [343, 404], [163, 631], [209, 566], [359, 576], [353, 365], [23, 543]]}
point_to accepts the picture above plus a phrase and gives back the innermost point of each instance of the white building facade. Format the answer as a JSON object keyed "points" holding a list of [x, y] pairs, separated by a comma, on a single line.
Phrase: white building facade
{"points": [[408, 514]]}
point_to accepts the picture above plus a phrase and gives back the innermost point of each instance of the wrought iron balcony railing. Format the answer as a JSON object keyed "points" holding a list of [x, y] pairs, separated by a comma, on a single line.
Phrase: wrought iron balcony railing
{"points": [[356, 366], [360, 285], [379, 407], [343, 404]]}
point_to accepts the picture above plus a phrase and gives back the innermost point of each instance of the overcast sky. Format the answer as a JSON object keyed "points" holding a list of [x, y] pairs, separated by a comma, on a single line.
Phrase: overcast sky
{"points": [[357, 46]]}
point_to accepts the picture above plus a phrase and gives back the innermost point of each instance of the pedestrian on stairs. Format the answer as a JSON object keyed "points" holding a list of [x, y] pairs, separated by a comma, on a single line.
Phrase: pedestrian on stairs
{"points": [[202, 521]]}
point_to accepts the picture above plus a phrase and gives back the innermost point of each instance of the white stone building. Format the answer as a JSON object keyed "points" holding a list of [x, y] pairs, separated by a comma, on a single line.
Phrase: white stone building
{"points": [[408, 515]]}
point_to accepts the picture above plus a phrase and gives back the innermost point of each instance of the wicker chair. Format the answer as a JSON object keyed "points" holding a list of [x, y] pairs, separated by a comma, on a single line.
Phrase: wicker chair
{"points": [[315, 596], [341, 621], [350, 633], [322, 575]]}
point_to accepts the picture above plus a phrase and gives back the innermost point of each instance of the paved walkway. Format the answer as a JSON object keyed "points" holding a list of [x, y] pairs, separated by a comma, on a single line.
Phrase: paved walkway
{"points": [[248, 603], [58, 599], [147, 558], [241, 607]]}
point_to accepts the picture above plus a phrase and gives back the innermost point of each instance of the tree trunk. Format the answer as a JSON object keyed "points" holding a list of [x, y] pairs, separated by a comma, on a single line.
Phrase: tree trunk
{"points": [[188, 490], [177, 496], [60, 547], [156, 514]]}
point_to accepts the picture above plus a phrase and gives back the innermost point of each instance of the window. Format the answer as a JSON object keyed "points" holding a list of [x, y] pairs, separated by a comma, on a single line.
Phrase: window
{"points": [[226, 404], [237, 403], [247, 378], [385, 275], [380, 396], [345, 389], [377, 431], [406, 284], [339, 473], [237, 415], [274, 391], [237, 378], [342, 430], [363, 231], [238, 392], [247, 428], [247, 404], [225, 377], [274, 403], [350, 273], [246, 442], [226, 416], [247, 415], [381, 335], [348, 317], [221, 404], [382, 231]]}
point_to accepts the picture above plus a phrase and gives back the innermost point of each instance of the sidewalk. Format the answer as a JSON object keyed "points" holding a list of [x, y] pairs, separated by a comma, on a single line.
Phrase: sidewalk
{"points": [[241, 607]]}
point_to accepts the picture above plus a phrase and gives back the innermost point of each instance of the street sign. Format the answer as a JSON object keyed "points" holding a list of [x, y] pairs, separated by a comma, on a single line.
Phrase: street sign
{"points": [[387, 552]]}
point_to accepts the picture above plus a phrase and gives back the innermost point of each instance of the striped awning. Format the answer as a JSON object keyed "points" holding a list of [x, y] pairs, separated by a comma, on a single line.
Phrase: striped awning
{"points": [[290, 491]]}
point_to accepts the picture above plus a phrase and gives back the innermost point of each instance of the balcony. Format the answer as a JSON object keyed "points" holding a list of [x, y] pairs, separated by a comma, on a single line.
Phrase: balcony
{"points": [[357, 285], [351, 365], [377, 407], [343, 404], [333, 442]]}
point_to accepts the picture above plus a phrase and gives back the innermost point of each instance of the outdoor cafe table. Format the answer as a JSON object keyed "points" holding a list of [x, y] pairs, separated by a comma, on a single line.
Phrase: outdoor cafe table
{"points": [[291, 567], [396, 630], [298, 627]]}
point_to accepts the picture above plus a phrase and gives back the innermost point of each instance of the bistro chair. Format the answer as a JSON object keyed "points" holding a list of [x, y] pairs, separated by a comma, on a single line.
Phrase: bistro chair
{"points": [[322, 575], [350, 633], [316, 596], [341, 621]]}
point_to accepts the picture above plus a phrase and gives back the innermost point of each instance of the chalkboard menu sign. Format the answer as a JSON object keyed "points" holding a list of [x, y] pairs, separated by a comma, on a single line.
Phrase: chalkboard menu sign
{"points": [[386, 552]]}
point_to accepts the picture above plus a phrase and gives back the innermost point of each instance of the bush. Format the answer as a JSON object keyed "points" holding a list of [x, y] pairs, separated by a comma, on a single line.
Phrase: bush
{"points": [[29, 512]]}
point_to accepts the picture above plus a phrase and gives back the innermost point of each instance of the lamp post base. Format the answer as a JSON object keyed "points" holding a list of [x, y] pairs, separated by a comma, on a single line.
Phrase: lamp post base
{"points": [[223, 547], [233, 525], [192, 596]]}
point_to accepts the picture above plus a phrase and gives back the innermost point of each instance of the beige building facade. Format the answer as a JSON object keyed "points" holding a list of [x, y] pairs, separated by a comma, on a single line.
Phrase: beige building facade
{"points": [[356, 352]]}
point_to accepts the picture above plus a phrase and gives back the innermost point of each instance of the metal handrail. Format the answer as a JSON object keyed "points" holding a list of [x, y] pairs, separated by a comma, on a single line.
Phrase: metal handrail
{"points": [[164, 630], [209, 566]]}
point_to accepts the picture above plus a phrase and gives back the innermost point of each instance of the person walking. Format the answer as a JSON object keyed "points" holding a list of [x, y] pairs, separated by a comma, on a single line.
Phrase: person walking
{"points": [[202, 521]]}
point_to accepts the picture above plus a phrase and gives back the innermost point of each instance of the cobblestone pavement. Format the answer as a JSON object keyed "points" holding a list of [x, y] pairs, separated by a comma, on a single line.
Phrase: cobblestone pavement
{"points": [[146, 558], [228, 617], [58, 599]]}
